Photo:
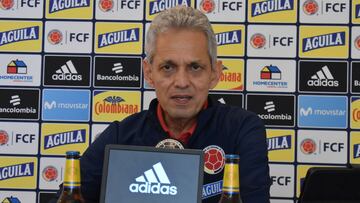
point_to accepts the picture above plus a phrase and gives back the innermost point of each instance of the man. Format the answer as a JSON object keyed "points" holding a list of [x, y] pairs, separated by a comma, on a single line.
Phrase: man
{"points": [[181, 66]]}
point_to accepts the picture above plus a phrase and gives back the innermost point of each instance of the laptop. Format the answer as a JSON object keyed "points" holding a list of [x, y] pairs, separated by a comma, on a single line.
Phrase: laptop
{"points": [[148, 174], [331, 185]]}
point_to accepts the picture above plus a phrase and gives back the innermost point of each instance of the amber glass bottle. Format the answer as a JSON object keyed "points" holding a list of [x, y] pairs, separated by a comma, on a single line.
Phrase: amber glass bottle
{"points": [[71, 192], [231, 182]]}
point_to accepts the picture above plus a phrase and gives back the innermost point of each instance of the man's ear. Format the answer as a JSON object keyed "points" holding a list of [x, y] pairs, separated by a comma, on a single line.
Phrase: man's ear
{"points": [[147, 72], [216, 73]]}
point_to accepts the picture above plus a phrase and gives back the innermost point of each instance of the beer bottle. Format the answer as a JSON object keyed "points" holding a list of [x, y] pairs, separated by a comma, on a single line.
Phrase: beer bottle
{"points": [[231, 187], [71, 191]]}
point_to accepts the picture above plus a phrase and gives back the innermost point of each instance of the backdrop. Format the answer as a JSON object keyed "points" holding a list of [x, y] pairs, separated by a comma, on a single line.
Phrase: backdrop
{"points": [[70, 67]]}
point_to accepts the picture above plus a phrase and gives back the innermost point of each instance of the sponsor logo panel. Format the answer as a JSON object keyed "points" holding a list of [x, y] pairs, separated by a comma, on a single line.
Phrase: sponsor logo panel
{"points": [[274, 110], [355, 11], [109, 106], [67, 71], [24, 36], [271, 40], [279, 11], [230, 39], [153, 7], [118, 72], [66, 105], [119, 10], [18, 172], [266, 75], [323, 76], [223, 10], [355, 42], [233, 99], [96, 130], [51, 172], [68, 37], [281, 145], [118, 38], [20, 70], [315, 146], [324, 11], [232, 76], [17, 196], [301, 173], [19, 104], [148, 96], [15, 140], [283, 180], [324, 42], [72, 9], [322, 111], [355, 77], [21, 9], [355, 147], [57, 138], [355, 113]]}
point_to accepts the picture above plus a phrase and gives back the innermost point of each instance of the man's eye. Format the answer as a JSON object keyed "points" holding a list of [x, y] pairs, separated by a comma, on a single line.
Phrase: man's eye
{"points": [[195, 67], [167, 68]]}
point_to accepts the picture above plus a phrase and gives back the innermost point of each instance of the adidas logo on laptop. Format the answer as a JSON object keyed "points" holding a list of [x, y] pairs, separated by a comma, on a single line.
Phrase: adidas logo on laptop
{"points": [[154, 181]]}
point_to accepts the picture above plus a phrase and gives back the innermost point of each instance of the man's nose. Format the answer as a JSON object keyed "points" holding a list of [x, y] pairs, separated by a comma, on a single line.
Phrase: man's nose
{"points": [[182, 79]]}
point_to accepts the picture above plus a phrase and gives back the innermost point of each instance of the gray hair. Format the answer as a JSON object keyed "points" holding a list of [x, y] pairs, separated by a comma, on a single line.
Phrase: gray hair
{"points": [[180, 17]]}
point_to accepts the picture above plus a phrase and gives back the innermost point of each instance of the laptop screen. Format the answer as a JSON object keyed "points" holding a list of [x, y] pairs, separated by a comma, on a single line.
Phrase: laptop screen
{"points": [[148, 174]]}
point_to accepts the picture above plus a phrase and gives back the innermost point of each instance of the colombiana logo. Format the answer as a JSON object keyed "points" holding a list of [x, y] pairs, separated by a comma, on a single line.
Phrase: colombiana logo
{"points": [[6, 4], [106, 5], [207, 6], [50, 173], [55, 36], [112, 105], [269, 6], [149, 183], [214, 159], [258, 40], [18, 35], [323, 41], [308, 146], [310, 7], [59, 5], [17, 171], [4, 137]]}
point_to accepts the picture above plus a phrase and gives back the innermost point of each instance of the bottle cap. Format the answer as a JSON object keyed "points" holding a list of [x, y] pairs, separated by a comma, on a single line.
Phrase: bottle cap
{"points": [[232, 156], [72, 153]]}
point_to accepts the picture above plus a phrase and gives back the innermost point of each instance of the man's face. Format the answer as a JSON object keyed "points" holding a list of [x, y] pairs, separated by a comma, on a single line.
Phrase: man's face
{"points": [[181, 72]]}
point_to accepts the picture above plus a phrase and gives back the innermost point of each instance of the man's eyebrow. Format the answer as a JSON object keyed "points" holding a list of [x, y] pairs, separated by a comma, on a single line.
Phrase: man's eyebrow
{"points": [[168, 62]]}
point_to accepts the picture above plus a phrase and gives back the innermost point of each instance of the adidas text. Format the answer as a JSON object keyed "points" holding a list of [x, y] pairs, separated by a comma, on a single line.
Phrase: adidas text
{"points": [[66, 77], [156, 188], [323, 83]]}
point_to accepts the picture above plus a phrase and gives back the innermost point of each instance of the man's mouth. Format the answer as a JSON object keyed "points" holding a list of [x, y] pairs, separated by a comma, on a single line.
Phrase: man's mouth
{"points": [[181, 99]]}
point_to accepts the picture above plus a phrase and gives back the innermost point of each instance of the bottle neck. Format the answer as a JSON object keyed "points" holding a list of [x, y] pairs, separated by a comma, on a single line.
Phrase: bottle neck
{"points": [[72, 178], [231, 178]]}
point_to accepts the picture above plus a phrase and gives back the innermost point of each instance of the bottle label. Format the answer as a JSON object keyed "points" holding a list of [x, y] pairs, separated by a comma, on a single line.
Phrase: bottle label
{"points": [[72, 173], [231, 178]]}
